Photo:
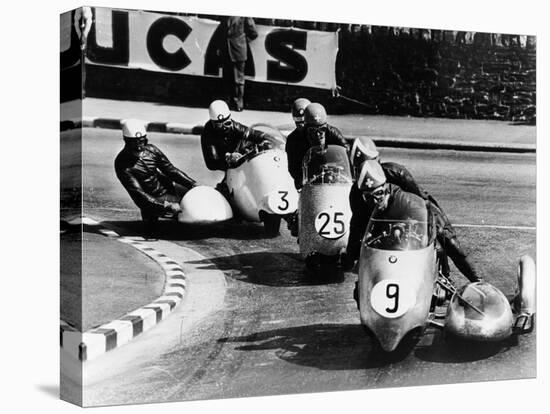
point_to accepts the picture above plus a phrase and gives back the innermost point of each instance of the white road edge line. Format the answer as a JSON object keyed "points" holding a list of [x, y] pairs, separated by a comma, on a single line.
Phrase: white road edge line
{"points": [[492, 226]]}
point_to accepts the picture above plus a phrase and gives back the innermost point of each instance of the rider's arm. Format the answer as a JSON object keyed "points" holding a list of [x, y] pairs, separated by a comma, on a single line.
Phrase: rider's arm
{"points": [[143, 200], [399, 175], [168, 169], [335, 137], [361, 213], [213, 160]]}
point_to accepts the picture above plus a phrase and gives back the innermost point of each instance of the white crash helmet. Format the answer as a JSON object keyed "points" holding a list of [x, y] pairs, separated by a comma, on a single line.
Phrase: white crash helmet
{"points": [[363, 149], [371, 176], [219, 111], [133, 128]]}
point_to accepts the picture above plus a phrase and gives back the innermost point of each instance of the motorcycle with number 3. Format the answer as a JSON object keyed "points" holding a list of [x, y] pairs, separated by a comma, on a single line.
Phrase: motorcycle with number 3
{"points": [[400, 286], [260, 186]]}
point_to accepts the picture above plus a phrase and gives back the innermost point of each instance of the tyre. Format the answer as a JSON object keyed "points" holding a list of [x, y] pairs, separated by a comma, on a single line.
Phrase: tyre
{"points": [[272, 223]]}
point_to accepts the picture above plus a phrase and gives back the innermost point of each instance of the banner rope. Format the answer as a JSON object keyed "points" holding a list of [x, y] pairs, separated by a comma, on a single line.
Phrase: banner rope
{"points": [[336, 94]]}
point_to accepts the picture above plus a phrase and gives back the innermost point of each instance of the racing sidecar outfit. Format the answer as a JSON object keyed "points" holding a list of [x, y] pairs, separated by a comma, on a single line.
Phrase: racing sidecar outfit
{"points": [[363, 209], [297, 145], [150, 180]]}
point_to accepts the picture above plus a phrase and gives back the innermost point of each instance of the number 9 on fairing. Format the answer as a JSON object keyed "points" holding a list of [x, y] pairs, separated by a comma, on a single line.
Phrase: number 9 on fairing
{"points": [[390, 298]]}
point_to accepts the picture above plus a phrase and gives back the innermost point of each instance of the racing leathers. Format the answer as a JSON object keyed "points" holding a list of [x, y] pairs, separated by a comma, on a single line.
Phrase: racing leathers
{"points": [[363, 209], [297, 146], [216, 143], [150, 180]]}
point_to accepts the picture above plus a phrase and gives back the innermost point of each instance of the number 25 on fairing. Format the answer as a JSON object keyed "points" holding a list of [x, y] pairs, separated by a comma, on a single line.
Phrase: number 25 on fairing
{"points": [[330, 224]]}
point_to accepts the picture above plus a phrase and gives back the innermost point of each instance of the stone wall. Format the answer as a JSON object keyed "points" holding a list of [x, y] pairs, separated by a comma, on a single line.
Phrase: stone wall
{"points": [[379, 70], [439, 73]]}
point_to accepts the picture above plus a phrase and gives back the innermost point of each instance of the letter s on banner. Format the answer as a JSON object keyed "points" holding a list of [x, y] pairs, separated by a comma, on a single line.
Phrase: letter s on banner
{"points": [[291, 67]]}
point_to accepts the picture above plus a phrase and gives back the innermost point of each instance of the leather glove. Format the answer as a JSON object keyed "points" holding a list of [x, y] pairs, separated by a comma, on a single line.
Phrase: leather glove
{"points": [[173, 208], [232, 157]]}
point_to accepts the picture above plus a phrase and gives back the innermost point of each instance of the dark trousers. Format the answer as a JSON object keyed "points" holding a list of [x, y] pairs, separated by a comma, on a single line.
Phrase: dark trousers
{"points": [[151, 218], [233, 75]]}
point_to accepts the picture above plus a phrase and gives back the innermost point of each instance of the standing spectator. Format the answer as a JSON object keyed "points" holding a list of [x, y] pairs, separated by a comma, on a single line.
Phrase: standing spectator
{"points": [[83, 23], [237, 31]]}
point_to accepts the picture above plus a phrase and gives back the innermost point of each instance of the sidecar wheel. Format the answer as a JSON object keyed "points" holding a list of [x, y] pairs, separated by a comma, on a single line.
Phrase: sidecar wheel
{"points": [[272, 223]]}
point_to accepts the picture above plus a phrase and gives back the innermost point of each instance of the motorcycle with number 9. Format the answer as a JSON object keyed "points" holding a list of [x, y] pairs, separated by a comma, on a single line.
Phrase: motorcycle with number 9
{"points": [[400, 286]]}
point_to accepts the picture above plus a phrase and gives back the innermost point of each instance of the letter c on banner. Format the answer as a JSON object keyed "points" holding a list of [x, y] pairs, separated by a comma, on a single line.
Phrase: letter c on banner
{"points": [[155, 37]]}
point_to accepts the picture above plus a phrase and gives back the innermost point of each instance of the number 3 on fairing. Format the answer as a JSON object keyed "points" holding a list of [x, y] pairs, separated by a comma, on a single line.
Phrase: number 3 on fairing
{"points": [[284, 200], [330, 224]]}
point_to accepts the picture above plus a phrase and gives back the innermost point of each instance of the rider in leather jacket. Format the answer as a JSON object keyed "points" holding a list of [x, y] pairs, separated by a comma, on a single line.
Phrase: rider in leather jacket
{"points": [[315, 132], [153, 183]]}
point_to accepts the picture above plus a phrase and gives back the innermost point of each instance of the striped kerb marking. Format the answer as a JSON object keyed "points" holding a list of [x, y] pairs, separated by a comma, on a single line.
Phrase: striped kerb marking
{"points": [[110, 337], [115, 333], [137, 323], [158, 311]]}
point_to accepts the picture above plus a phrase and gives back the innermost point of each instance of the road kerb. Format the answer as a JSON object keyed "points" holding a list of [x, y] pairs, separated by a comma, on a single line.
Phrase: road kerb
{"points": [[96, 341]]}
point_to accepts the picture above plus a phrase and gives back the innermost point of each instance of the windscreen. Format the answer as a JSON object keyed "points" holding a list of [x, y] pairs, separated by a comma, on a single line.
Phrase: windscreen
{"points": [[328, 165], [270, 138], [398, 234]]}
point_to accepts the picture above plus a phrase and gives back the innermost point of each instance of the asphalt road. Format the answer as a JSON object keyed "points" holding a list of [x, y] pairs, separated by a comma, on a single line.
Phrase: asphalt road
{"points": [[278, 332]]}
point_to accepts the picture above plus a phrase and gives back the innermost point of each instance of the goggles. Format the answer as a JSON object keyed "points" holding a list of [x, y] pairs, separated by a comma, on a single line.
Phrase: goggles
{"points": [[376, 193], [136, 141], [316, 130], [225, 123]]}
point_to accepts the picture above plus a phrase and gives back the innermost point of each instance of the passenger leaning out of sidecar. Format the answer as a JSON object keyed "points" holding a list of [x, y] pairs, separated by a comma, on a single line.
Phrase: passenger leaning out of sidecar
{"points": [[377, 195], [221, 138], [155, 185]]}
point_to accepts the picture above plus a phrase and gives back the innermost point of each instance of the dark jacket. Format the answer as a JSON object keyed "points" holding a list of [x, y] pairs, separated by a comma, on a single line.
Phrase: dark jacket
{"points": [[149, 177], [238, 30], [215, 144], [297, 145]]}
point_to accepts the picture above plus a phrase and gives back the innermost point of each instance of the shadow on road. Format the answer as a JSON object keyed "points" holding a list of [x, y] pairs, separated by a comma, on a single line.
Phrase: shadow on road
{"points": [[173, 230], [269, 268], [322, 346], [447, 349]]}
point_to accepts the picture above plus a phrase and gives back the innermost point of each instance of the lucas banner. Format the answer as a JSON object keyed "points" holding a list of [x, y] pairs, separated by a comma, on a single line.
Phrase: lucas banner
{"points": [[193, 46]]}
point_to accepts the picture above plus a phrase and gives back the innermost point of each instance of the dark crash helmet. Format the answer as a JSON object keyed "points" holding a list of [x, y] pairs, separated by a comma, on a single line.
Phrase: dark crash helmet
{"points": [[315, 115], [298, 110]]}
